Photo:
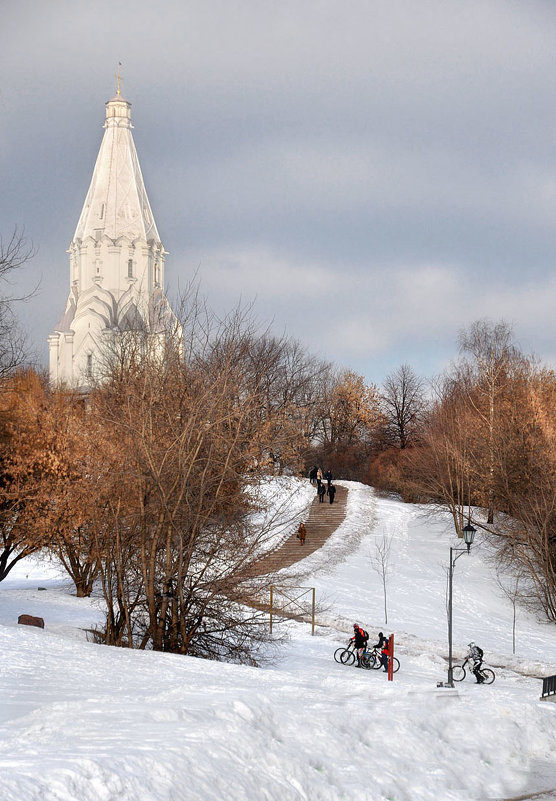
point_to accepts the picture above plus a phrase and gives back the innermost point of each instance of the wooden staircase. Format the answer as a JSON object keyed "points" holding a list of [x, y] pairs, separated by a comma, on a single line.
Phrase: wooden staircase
{"points": [[324, 519]]}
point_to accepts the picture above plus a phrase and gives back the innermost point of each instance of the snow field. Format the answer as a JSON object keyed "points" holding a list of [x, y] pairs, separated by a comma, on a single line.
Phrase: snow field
{"points": [[85, 722]]}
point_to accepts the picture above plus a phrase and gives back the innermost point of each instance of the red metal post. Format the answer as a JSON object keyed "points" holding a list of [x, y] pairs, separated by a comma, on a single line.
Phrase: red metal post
{"points": [[391, 657]]}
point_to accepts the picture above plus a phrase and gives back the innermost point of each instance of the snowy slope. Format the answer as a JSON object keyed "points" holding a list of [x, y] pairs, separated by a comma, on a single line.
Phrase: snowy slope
{"points": [[82, 721]]}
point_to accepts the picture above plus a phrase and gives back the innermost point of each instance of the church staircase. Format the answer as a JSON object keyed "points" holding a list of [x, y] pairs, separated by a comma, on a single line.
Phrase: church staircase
{"points": [[324, 519]]}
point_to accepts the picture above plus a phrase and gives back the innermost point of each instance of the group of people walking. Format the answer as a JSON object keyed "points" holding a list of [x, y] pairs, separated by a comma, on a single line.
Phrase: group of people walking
{"points": [[325, 487], [317, 477]]}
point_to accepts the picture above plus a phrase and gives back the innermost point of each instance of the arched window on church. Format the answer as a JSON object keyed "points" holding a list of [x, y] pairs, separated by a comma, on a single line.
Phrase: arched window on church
{"points": [[130, 268], [89, 365], [156, 273]]}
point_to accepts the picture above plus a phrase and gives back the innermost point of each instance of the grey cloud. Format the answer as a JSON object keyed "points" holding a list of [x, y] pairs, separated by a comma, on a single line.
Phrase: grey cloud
{"points": [[374, 174]]}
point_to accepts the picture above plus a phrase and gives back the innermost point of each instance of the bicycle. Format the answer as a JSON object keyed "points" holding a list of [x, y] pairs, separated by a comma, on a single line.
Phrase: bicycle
{"points": [[345, 655], [372, 660], [459, 673]]}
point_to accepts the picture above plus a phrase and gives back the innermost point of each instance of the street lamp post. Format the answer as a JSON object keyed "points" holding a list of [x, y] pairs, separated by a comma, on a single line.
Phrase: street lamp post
{"points": [[468, 537], [170, 632]]}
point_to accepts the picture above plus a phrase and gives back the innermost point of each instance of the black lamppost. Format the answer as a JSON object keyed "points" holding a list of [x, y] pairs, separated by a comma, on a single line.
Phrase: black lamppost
{"points": [[169, 595], [468, 537]]}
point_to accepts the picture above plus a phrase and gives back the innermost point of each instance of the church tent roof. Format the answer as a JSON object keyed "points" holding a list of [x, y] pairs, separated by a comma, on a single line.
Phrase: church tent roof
{"points": [[117, 202]]}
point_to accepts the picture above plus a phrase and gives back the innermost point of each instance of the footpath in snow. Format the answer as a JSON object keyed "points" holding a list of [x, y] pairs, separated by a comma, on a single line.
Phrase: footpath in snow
{"points": [[83, 722]]}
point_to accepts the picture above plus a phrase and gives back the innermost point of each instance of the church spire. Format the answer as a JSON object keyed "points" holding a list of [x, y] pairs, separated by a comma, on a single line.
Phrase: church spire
{"points": [[116, 260], [117, 203]]}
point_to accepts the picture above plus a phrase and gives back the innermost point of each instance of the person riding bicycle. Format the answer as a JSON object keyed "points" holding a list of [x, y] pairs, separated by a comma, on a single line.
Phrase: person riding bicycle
{"points": [[476, 654], [359, 640]]}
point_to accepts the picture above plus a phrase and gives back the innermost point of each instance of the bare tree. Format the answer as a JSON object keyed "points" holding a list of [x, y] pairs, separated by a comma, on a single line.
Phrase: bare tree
{"points": [[510, 586], [23, 444], [404, 402], [491, 357], [348, 420], [504, 461], [14, 253], [176, 540], [441, 470], [380, 562], [289, 380], [76, 481]]}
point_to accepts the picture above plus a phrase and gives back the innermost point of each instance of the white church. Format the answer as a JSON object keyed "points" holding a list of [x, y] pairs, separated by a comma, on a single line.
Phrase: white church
{"points": [[116, 263]]}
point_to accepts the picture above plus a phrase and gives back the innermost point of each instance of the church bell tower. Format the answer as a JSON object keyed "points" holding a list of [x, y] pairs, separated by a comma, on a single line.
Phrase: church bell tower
{"points": [[116, 262]]}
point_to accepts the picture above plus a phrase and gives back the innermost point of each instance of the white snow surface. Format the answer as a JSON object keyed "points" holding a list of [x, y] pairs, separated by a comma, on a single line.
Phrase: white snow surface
{"points": [[86, 722]]}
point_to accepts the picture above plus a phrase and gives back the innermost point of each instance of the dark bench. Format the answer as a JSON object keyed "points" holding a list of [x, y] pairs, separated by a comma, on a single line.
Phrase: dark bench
{"points": [[549, 687], [31, 620]]}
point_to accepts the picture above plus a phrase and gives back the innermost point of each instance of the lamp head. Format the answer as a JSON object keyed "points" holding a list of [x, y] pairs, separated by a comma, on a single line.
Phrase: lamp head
{"points": [[469, 535]]}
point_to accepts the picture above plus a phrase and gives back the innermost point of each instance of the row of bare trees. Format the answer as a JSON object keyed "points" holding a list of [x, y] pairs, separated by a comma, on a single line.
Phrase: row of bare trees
{"points": [[146, 487], [487, 438]]}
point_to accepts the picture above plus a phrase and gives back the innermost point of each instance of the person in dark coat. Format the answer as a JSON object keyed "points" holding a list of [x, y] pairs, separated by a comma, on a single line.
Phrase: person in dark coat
{"points": [[328, 477], [313, 475], [381, 646], [385, 653], [331, 492], [359, 641], [476, 654], [301, 533], [321, 491]]}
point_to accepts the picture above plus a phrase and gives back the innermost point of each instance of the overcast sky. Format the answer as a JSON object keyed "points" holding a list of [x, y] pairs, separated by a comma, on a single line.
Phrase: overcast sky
{"points": [[374, 175]]}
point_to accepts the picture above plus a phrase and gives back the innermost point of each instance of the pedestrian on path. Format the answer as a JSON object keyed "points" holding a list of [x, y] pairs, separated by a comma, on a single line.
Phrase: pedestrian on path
{"points": [[302, 533], [331, 492], [322, 492], [319, 477]]}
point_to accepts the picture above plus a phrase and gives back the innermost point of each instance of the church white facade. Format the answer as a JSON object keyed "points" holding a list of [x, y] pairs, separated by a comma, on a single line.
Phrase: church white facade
{"points": [[116, 263]]}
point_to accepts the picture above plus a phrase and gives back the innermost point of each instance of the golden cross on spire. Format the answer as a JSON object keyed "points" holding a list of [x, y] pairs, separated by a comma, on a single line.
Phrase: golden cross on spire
{"points": [[119, 79]]}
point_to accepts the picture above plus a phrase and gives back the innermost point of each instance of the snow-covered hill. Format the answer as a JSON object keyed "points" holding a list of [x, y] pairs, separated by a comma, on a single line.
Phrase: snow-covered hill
{"points": [[89, 723]]}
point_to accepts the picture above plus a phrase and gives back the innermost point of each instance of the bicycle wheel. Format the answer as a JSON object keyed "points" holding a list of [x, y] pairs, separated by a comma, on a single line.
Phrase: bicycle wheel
{"points": [[375, 661], [367, 661], [488, 675], [458, 673], [347, 657], [338, 652], [396, 665]]}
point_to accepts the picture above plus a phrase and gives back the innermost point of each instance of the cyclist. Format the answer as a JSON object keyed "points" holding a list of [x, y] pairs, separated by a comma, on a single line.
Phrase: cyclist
{"points": [[382, 646], [381, 640], [359, 640], [385, 653], [476, 654]]}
